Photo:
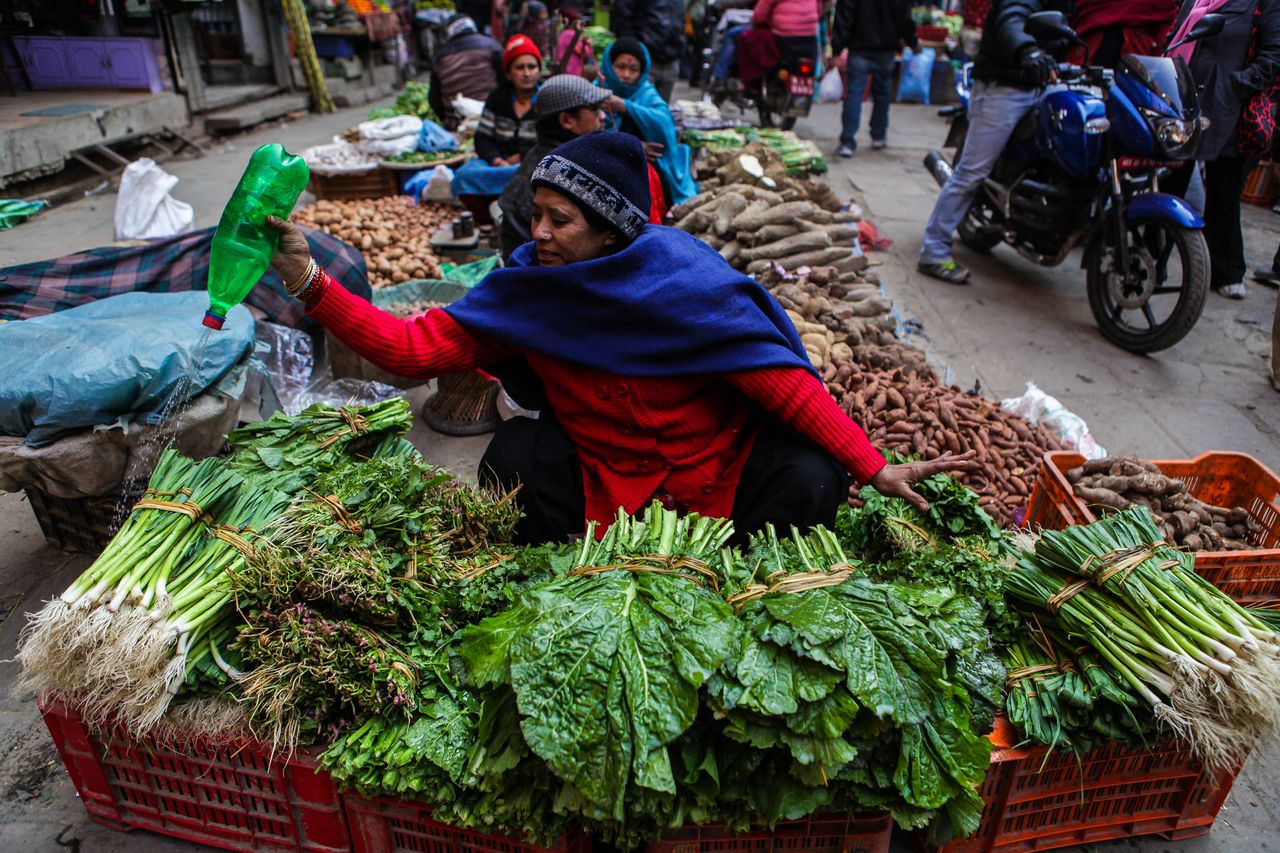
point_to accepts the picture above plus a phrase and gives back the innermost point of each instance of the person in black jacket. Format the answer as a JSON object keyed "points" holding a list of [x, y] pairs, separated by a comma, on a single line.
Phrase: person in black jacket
{"points": [[1229, 69], [872, 31], [659, 26], [1010, 71]]}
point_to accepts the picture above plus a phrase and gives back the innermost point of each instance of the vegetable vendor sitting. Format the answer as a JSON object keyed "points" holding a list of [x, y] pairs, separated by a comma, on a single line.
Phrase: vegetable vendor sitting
{"points": [[507, 129], [667, 374], [638, 109]]}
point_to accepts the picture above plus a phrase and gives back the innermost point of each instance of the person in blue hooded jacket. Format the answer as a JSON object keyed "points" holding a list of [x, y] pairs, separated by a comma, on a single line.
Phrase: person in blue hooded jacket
{"points": [[638, 109]]}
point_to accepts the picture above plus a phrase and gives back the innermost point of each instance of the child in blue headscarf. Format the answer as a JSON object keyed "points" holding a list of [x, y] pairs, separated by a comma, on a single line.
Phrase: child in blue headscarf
{"points": [[638, 109]]}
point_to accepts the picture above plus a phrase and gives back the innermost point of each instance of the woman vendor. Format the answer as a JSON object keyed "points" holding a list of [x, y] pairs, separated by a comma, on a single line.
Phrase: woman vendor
{"points": [[507, 130], [667, 374], [638, 109], [507, 125]]}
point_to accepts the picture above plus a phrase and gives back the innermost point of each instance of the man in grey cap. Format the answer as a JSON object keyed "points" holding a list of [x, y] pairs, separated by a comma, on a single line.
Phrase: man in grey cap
{"points": [[567, 106]]}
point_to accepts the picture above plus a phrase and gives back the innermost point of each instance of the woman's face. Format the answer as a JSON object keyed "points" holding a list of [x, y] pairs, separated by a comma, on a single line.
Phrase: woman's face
{"points": [[562, 234], [627, 67], [523, 73]]}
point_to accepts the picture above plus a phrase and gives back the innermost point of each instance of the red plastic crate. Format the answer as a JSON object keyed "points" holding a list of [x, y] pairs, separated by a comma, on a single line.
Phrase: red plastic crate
{"points": [[397, 826], [1219, 478], [234, 796], [824, 834], [1034, 803]]}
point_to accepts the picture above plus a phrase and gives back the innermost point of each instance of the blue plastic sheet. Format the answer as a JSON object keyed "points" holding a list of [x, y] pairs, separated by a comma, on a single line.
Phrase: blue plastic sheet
{"points": [[116, 358], [433, 137]]}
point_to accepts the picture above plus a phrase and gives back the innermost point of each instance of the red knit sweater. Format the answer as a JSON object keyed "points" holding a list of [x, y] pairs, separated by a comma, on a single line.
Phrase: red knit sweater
{"points": [[688, 436]]}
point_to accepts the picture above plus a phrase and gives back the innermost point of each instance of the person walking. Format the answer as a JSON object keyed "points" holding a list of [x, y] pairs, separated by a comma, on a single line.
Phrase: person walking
{"points": [[1230, 69], [1009, 72], [659, 26], [872, 31]]}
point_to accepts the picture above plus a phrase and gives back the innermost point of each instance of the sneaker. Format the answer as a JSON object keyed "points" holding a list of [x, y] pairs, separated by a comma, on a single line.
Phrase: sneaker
{"points": [[845, 151], [1232, 291], [1267, 275], [879, 145], [948, 271]]}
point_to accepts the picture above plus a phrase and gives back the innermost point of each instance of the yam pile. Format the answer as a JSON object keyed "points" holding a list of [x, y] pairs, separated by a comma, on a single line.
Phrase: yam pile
{"points": [[1120, 482], [393, 233]]}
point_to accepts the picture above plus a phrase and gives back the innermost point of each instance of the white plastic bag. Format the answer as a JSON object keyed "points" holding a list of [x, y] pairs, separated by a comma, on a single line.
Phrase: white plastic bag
{"points": [[831, 89], [144, 208], [467, 107], [1039, 408], [387, 148], [440, 187], [390, 128]]}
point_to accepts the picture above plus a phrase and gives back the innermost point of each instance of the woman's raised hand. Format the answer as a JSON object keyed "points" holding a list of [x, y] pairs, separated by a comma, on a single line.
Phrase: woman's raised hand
{"points": [[294, 255], [896, 481]]}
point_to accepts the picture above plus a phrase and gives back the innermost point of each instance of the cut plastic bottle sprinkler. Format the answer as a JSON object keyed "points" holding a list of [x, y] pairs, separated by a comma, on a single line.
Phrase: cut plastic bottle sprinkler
{"points": [[243, 244]]}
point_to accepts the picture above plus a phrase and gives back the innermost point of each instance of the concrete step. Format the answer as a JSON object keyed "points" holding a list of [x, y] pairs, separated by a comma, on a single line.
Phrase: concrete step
{"points": [[248, 115], [224, 97]]}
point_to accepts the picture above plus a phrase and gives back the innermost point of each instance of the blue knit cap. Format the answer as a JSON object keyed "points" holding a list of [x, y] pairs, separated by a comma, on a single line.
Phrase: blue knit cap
{"points": [[606, 173]]}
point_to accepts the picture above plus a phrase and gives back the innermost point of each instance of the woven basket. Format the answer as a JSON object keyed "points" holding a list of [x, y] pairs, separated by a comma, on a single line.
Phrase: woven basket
{"points": [[82, 525], [464, 404]]}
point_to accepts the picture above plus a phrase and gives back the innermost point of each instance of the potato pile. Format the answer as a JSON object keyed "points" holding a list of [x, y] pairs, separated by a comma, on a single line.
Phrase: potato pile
{"points": [[393, 233], [1120, 482], [411, 307]]}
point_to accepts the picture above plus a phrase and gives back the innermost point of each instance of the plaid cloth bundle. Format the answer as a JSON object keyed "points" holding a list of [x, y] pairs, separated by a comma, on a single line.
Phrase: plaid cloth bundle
{"points": [[162, 266]]}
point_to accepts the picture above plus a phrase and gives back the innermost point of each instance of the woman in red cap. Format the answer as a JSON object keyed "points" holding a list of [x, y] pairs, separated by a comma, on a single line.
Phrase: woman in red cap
{"points": [[507, 126]]}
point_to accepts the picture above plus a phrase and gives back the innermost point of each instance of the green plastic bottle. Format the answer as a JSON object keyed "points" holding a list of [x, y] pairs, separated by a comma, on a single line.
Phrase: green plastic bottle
{"points": [[243, 244]]}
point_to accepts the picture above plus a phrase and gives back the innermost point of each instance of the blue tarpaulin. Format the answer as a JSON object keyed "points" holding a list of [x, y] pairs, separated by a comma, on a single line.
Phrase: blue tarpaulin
{"points": [[116, 358]]}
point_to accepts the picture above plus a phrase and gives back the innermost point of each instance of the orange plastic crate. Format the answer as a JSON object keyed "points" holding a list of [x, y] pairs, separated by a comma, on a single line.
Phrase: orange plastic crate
{"points": [[1220, 478], [234, 796], [397, 826], [1034, 803], [822, 834]]}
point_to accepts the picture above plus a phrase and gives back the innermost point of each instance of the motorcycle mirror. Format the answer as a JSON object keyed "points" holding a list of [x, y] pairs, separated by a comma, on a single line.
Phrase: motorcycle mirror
{"points": [[1208, 26], [1043, 26]]}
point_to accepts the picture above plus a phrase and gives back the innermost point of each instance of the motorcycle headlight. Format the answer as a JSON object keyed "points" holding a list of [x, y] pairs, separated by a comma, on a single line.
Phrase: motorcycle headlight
{"points": [[1173, 132]]}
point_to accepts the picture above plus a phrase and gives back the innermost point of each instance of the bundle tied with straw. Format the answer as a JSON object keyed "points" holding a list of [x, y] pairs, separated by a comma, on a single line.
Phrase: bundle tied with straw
{"points": [[1207, 669]]}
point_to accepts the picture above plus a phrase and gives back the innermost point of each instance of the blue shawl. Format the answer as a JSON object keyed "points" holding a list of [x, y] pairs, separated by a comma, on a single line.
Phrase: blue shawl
{"points": [[652, 115], [666, 305]]}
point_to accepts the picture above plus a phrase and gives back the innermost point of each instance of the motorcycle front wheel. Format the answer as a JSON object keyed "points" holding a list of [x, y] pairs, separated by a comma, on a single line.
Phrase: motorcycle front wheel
{"points": [[1154, 303]]}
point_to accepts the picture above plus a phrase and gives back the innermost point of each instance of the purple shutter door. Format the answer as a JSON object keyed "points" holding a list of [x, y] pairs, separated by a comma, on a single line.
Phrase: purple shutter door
{"points": [[131, 63], [45, 60], [87, 59]]}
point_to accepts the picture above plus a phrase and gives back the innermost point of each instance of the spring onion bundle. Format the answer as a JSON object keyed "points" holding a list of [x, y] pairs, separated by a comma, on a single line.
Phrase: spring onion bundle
{"points": [[1206, 669], [118, 640]]}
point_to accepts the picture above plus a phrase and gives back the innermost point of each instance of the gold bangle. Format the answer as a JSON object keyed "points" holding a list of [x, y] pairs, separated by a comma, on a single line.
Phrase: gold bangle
{"points": [[298, 286]]}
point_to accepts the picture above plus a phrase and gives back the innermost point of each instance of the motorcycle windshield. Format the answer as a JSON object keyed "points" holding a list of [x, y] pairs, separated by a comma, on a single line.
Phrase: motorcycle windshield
{"points": [[1163, 85]]}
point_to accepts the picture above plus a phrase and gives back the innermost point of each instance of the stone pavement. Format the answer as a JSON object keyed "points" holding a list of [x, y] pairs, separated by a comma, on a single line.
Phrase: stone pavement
{"points": [[1014, 323]]}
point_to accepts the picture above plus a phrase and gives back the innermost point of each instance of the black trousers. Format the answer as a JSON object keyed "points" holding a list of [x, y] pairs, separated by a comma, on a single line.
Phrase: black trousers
{"points": [[1223, 183], [786, 481]]}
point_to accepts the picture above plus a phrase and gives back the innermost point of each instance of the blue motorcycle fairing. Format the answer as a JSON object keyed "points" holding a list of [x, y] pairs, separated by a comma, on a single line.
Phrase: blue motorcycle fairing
{"points": [[1159, 84], [1063, 115], [1163, 206], [1130, 132]]}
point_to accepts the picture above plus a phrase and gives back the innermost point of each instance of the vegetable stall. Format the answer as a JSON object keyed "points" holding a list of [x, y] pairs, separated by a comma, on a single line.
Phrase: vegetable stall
{"points": [[324, 630]]}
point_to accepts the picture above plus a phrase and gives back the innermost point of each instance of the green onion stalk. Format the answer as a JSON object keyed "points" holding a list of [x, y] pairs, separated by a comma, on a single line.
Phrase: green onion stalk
{"points": [[1208, 669]]}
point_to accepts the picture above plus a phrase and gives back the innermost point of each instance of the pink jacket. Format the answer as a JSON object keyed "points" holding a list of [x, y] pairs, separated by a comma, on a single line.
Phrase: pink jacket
{"points": [[788, 17]]}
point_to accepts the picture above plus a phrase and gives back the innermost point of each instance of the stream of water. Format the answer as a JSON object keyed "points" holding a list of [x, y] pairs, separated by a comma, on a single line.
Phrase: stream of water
{"points": [[161, 429]]}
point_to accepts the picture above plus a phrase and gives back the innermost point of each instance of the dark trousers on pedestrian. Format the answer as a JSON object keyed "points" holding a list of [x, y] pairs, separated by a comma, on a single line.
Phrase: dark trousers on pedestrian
{"points": [[786, 481], [1223, 183], [879, 66]]}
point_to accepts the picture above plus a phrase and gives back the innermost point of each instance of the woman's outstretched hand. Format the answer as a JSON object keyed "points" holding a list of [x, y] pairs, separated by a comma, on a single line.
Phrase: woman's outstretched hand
{"points": [[292, 257], [896, 481]]}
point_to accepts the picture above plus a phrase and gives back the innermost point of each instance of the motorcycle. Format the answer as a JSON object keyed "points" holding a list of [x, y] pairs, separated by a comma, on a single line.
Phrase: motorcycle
{"points": [[1083, 169], [786, 93]]}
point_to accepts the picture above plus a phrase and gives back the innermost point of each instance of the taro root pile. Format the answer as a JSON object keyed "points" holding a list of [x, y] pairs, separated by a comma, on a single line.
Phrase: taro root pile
{"points": [[393, 233], [907, 410], [758, 222], [1119, 482]]}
